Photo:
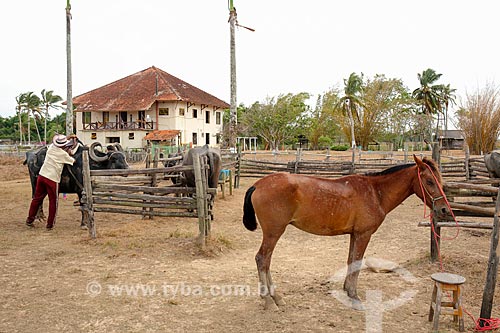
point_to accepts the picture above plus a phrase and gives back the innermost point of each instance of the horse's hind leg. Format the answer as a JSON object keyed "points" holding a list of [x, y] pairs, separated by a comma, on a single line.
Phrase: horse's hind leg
{"points": [[263, 259], [278, 299]]}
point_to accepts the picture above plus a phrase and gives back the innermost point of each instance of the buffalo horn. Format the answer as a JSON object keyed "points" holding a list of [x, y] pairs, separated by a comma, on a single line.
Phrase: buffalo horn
{"points": [[93, 155]]}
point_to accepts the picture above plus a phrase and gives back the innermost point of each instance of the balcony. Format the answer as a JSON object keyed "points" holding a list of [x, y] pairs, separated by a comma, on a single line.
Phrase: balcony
{"points": [[137, 125]]}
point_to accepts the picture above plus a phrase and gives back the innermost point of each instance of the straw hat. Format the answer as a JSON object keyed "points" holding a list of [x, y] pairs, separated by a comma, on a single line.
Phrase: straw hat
{"points": [[61, 141]]}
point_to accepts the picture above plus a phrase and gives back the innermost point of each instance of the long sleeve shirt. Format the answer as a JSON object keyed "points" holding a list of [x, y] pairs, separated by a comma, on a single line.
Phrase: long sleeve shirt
{"points": [[54, 162]]}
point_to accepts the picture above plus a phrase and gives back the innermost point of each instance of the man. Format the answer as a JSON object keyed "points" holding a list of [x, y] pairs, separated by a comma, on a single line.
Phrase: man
{"points": [[49, 178]]}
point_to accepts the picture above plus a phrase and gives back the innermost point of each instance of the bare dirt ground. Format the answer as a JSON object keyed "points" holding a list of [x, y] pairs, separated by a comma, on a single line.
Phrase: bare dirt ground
{"points": [[62, 281]]}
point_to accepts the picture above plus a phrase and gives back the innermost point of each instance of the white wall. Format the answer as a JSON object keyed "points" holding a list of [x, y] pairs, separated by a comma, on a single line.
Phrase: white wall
{"points": [[174, 121]]}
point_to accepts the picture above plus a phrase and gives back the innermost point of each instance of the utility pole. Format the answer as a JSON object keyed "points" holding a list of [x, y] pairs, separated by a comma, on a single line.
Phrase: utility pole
{"points": [[69, 83]]}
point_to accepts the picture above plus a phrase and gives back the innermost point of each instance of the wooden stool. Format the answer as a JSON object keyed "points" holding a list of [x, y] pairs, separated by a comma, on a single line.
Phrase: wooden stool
{"points": [[446, 282]]}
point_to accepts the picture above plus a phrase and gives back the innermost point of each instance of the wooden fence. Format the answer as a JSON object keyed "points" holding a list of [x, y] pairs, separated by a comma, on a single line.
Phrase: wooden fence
{"points": [[144, 192], [324, 165]]}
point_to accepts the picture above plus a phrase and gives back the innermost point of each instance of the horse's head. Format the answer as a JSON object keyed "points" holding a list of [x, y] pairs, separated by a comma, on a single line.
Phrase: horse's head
{"points": [[429, 187]]}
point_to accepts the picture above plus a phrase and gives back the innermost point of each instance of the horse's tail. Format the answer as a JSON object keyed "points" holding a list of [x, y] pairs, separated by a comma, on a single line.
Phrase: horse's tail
{"points": [[249, 219]]}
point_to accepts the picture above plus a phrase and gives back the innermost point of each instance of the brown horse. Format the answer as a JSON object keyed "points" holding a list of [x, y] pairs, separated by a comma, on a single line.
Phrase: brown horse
{"points": [[354, 204]]}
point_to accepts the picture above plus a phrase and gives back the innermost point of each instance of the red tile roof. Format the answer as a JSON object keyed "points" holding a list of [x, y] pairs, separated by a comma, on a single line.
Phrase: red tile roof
{"points": [[139, 92], [162, 135]]}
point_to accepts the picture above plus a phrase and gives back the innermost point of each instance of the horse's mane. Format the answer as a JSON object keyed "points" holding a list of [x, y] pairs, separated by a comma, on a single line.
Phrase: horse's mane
{"points": [[396, 168], [390, 170]]}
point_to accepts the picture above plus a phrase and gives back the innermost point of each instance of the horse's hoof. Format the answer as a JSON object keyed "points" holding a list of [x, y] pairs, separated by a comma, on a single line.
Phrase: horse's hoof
{"points": [[84, 227], [356, 304], [269, 304], [279, 300]]}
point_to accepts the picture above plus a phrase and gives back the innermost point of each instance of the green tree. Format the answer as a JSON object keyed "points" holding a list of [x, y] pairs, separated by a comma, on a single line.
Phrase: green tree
{"points": [[20, 103], [381, 96], [323, 120], [49, 100], [448, 95], [351, 101], [402, 118], [429, 95], [33, 106], [277, 119]]}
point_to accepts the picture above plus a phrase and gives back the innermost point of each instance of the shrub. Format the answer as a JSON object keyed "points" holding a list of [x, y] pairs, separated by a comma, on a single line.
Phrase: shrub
{"points": [[339, 147]]}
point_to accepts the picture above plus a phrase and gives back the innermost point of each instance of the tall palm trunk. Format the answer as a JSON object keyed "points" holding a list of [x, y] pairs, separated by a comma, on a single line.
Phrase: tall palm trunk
{"points": [[29, 129], [353, 137], [69, 97], [233, 113], [45, 125], [20, 128]]}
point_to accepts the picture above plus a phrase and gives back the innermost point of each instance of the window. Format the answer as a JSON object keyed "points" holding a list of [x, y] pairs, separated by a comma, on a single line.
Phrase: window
{"points": [[217, 139], [217, 118], [131, 136], [181, 112], [93, 136], [105, 117], [195, 113], [207, 117], [195, 138], [86, 118], [207, 138], [163, 111]]}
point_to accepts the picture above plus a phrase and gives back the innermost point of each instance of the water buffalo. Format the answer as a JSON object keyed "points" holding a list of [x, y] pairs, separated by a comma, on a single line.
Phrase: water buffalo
{"points": [[72, 176], [213, 159], [492, 161]]}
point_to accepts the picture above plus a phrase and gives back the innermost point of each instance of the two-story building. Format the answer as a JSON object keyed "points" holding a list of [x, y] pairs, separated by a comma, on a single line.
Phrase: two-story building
{"points": [[149, 103]]}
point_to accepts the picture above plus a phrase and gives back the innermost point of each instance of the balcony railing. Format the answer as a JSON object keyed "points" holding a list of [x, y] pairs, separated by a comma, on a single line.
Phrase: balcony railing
{"points": [[121, 125]]}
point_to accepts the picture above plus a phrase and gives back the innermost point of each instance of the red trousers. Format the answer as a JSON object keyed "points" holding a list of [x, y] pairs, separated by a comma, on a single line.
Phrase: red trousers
{"points": [[44, 187]]}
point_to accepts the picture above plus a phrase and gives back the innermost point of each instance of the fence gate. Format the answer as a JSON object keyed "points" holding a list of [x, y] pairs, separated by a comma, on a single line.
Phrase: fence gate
{"points": [[138, 191]]}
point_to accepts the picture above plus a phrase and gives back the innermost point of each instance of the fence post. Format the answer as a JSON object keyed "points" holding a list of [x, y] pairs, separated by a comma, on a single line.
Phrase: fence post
{"points": [[148, 157], [88, 206], [154, 181], [200, 199], [238, 169], [467, 163], [298, 158], [491, 276], [435, 239], [436, 154]]}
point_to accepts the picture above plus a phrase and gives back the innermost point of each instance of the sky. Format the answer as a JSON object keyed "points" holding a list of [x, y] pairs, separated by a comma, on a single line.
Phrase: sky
{"points": [[297, 46]]}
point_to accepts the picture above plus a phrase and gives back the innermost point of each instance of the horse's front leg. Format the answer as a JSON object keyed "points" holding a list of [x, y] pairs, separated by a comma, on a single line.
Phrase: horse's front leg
{"points": [[357, 248]]}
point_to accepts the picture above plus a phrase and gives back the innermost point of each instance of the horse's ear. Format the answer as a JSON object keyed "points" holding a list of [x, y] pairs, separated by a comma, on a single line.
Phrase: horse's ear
{"points": [[420, 164]]}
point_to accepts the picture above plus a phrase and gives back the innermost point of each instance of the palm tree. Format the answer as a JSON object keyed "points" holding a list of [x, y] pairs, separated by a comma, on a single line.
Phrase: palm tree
{"points": [[49, 100], [448, 95], [351, 101], [20, 101], [429, 95], [32, 105]]}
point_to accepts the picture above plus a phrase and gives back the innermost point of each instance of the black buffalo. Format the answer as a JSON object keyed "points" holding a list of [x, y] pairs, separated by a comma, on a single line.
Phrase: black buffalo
{"points": [[492, 161], [213, 159], [72, 176]]}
